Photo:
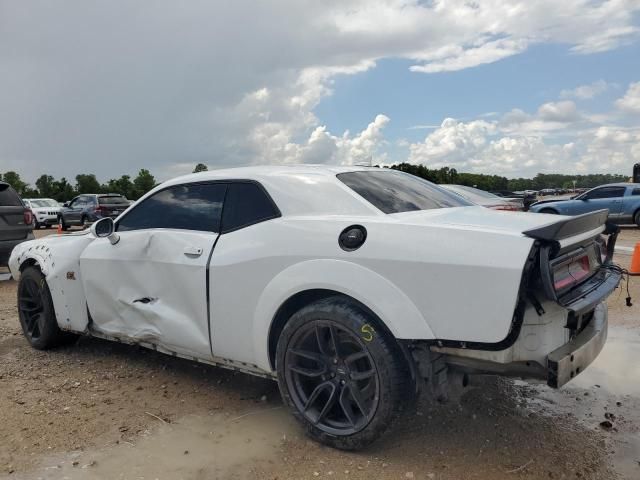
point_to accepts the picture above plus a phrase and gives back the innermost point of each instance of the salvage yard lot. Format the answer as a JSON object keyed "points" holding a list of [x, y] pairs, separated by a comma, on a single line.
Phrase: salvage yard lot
{"points": [[96, 409]]}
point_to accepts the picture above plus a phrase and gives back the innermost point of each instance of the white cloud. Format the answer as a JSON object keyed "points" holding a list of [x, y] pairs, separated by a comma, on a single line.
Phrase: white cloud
{"points": [[631, 101], [557, 138], [110, 87], [585, 92]]}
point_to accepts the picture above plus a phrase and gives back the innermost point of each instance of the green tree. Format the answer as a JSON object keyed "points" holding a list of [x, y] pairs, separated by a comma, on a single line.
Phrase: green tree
{"points": [[201, 167], [87, 183], [46, 186], [13, 179], [143, 183], [64, 191], [123, 186]]}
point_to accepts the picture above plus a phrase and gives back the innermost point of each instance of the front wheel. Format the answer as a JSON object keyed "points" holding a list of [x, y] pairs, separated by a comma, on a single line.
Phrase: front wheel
{"points": [[36, 312], [343, 377], [63, 226], [636, 218]]}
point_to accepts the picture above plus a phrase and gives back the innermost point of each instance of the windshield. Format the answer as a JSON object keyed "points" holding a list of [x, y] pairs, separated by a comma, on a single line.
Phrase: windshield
{"points": [[393, 192], [113, 200], [43, 202], [470, 193]]}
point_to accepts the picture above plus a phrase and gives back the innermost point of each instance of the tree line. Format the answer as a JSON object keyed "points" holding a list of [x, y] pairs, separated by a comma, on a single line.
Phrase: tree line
{"points": [[62, 190], [497, 182], [46, 186]]}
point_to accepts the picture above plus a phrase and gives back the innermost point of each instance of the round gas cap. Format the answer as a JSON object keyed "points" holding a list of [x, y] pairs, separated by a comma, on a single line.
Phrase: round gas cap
{"points": [[352, 237]]}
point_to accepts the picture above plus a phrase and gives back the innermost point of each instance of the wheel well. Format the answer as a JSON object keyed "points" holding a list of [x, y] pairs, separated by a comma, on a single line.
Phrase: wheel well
{"points": [[635, 214], [549, 210], [300, 300], [29, 262]]}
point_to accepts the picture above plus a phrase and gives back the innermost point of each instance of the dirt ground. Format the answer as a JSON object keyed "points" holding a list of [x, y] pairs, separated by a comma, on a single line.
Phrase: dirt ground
{"points": [[95, 409]]}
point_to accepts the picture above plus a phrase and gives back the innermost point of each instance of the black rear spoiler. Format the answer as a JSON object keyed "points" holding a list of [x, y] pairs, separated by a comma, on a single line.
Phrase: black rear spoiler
{"points": [[566, 227]]}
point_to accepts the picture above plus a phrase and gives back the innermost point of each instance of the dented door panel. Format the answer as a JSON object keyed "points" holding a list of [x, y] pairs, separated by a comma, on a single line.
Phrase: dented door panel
{"points": [[151, 287]]}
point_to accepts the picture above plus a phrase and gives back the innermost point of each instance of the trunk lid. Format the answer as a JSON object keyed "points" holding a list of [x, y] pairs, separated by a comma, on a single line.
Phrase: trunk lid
{"points": [[479, 218]]}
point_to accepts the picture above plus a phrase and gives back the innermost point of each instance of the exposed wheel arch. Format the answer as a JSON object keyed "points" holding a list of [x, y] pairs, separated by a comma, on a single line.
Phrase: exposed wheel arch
{"points": [[302, 299], [636, 217], [29, 262]]}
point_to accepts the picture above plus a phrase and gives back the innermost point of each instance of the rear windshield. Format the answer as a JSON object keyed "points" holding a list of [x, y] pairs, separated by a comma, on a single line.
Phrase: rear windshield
{"points": [[9, 197], [395, 192], [113, 200], [471, 193]]}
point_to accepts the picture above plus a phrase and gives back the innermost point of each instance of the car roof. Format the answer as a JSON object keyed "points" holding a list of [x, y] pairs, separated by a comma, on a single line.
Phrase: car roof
{"points": [[289, 186], [258, 172]]}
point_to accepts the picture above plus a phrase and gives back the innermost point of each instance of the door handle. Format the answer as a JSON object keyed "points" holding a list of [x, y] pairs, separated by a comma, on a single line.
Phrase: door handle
{"points": [[193, 251]]}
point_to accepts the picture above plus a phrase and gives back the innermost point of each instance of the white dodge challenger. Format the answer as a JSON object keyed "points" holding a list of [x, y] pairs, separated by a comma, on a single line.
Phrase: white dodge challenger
{"points": [[353, 287]]}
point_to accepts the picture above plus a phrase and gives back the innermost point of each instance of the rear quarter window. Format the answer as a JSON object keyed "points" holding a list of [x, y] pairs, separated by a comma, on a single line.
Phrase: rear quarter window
{"points": [[395, 192], [246, 204], [9, 197], [113, 200]]}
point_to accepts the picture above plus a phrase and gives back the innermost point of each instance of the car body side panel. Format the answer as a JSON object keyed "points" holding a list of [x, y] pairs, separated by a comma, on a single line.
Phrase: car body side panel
{"points": [[58, 259], [424, 282], [151, 287]]}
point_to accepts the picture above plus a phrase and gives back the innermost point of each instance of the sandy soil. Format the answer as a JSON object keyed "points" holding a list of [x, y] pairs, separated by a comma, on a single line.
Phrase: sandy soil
{"points": [[95, 409]]}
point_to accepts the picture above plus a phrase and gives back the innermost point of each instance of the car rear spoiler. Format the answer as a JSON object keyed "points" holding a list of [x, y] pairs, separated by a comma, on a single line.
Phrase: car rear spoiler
{"points": [[566, 227]]}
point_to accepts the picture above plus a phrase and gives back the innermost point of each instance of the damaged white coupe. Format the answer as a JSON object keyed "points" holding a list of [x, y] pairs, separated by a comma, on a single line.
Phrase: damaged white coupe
{"points": [[355, 288]]}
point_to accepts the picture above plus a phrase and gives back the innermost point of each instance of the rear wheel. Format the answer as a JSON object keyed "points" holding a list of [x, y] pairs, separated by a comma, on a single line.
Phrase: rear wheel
{"points": [[35, 310], [343, 377]]}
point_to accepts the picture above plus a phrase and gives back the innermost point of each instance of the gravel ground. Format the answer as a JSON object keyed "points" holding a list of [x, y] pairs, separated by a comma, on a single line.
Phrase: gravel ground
{"points": [[95, 409]]}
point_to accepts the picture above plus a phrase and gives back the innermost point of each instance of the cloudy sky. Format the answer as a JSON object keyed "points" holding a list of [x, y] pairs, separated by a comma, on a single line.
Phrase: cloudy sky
{"points": [[506, 87]]}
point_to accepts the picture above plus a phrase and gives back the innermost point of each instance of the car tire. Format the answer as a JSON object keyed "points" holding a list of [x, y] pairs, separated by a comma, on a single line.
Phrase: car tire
{"points": [[362, 388], [63, 226], [36, 312], [83, 222], [636, 218]]}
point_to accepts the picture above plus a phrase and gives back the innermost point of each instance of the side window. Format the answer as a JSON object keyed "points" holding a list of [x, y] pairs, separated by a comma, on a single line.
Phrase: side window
{"points": [[635, 191], [195, 206], [246, 204], [606, 192]]}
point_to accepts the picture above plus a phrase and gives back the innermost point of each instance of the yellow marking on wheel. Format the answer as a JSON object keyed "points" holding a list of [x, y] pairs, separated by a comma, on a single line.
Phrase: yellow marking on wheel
{"points": [[367, 332]]}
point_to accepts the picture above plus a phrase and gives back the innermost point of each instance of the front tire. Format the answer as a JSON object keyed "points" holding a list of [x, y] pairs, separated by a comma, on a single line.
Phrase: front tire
{"points": [[63, 226], [636, 218], [342, 375], [36, 312]]}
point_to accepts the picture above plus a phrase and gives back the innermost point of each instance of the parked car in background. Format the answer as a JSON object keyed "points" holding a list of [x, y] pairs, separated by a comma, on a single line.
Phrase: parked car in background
{"points": [[486, 199], [527, 199], [352, 287], [88, 208], [46, 211], [621, 199], [16, 221]]}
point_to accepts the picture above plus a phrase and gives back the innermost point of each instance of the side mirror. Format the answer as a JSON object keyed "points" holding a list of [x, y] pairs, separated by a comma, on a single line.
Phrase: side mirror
{"points": [[65, 204], [105, 228]]}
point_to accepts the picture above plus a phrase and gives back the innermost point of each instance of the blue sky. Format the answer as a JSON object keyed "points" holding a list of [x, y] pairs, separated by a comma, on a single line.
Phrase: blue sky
{"points": [[523, 81], [109, 87]]}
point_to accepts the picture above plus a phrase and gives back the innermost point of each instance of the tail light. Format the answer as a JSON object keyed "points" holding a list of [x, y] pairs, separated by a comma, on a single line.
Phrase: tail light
{"points": [[574, 270], [102, 211], [509, 208], [28, 217]]}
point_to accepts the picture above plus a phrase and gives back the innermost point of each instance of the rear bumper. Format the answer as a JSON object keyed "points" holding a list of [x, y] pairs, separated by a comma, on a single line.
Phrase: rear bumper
{"points": [[572, 358], [6, 246]]}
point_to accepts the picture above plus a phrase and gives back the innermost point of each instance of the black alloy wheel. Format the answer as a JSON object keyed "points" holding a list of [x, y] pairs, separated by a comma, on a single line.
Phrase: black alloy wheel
{"points": [[332, 378]]}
